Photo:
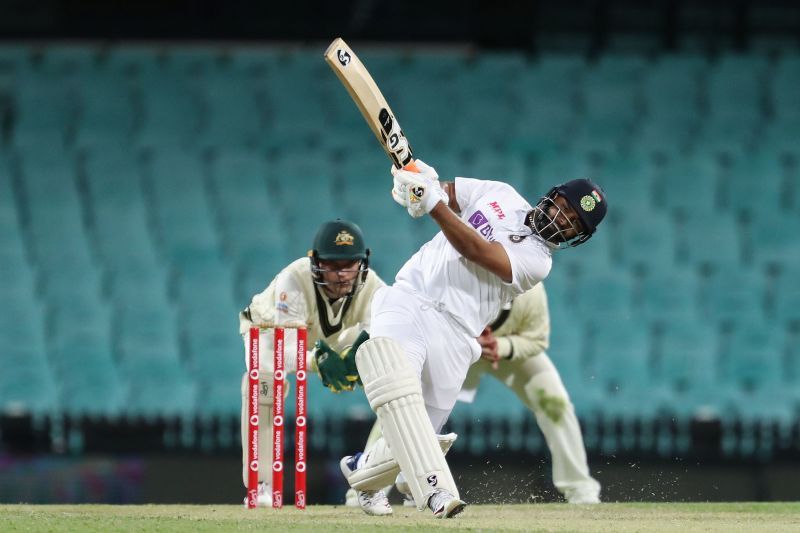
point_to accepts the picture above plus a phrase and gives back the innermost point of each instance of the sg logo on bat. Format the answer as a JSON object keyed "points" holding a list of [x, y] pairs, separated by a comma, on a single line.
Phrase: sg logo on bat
{"points": [[344, 57]]}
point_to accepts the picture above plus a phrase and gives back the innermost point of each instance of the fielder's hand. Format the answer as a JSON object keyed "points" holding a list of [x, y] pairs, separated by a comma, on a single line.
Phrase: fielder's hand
{"points": [[418, 192], [331, 367]]}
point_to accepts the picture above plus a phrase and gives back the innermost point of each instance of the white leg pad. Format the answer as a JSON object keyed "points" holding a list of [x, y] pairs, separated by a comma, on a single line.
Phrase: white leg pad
{"points": [[265, 401], [395, 394], [381, 469]]}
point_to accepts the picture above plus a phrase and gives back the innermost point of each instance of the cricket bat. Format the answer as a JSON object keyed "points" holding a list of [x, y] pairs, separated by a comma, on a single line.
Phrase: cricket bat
{"points": [[367, 96]]}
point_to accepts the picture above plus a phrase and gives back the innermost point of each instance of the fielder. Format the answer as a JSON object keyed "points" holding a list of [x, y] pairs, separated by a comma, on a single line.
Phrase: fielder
{"points": [[493, 246], [329, 292], [513, 351]]}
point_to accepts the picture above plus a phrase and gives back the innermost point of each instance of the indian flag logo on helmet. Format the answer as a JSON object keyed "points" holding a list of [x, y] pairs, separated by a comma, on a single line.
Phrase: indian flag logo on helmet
{"points": [[588, 202], [596, 196]]}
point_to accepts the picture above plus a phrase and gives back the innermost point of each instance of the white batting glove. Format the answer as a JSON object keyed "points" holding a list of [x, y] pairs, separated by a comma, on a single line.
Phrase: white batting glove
{"points": [[418, 192]]}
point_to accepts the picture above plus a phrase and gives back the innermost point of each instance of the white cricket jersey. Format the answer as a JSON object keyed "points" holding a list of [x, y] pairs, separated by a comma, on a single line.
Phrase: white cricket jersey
{"points": [[469, 293]]}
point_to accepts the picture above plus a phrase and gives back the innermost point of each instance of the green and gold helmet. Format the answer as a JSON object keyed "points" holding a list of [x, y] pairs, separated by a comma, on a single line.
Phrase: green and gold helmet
{"points": [[339, 240]]}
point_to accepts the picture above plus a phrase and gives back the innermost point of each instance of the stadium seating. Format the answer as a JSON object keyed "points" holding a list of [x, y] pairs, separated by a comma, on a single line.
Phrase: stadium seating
{"points": [[147, 192]]}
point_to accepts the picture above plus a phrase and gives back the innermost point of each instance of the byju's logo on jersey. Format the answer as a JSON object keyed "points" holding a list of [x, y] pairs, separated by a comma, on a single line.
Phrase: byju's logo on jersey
{"points": [[479, 221]]}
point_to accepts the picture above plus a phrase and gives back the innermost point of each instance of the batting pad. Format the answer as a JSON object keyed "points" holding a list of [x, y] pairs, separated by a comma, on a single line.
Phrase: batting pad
{"points": [[395, 394], [265, 401], [381, 469]]}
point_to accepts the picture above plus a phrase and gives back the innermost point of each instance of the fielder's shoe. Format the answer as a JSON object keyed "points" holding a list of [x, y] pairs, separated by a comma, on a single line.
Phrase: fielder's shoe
{"points": [[582, 497], [372, 502], [445, 505]]}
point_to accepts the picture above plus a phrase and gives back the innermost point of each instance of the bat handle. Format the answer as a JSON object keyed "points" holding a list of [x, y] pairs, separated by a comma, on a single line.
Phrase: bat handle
{"points": [[411, 167]]}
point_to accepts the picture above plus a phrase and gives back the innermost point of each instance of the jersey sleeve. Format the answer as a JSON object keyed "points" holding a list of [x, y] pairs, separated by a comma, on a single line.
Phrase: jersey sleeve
{"points": [[530, 263], [465, 191], [289, 302]]}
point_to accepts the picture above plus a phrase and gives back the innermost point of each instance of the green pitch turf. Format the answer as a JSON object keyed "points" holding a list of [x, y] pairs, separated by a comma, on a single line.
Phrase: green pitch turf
{"points": [[682, 517]]}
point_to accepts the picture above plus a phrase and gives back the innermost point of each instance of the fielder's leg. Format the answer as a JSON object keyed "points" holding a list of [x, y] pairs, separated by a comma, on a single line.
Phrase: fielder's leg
{"points": [[538, 384], [395, 394]]}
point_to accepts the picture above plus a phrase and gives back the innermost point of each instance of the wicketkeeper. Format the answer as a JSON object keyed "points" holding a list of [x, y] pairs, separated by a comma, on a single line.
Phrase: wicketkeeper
{"points": [[329, 292]]}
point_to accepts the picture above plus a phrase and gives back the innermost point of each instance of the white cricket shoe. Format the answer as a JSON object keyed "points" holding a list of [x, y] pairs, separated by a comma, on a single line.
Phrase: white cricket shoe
{"points": [[582, 496], [372, 502], [445, 505], [402, 487], [264, 498], [351, 498]]}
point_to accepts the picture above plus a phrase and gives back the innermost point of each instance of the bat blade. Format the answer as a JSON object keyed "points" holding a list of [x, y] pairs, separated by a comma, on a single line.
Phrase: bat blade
{"points": [[371, 102]]}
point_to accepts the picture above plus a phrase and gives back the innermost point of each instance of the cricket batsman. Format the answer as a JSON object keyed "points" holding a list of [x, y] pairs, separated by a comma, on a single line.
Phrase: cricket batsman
{"points": [[493, 246]]}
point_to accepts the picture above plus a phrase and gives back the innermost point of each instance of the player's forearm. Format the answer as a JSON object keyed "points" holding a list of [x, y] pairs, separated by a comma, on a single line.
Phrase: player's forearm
{"points": [[489, 255], [468, 243]]}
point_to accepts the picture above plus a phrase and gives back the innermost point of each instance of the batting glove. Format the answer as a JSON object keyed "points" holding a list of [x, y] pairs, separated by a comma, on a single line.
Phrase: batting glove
{"points": [[418, 192]]}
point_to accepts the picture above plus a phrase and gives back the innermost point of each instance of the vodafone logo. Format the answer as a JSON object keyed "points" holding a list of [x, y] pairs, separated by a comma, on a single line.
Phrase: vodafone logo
{"points": [[254, 466], [277, 466], [254, 420], [278, 420], [254, 374], [300, 466], [301, 421], [279, 375], [301, 374]]}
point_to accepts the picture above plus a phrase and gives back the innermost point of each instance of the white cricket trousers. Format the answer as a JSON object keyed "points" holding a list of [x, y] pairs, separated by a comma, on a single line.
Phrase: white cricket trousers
{"points": [[438, 348]]}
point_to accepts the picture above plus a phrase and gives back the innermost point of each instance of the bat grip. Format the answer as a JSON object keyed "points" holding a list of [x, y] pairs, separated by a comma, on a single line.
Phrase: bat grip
{"points": [[411, 167]]}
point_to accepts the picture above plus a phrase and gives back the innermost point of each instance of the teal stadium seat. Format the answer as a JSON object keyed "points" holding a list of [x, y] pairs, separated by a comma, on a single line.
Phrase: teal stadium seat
{"points": [[247, 207], [548, 98], [171, 108], [234, 113], [736, 101], [689, 184], [175, 181], [685, 373], [612, 101], [753, 386], [27, 385], [671, 90], [106, 113], [785, 301], [754, 183], [671, 294], [45, 112], [785, 127], [767, 238], [734, 295], [699, 228], [647, 239], [619, 363]]}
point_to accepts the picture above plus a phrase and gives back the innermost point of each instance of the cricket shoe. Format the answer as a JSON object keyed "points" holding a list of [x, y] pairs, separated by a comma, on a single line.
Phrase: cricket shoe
{"points": [[372, 502], [583, 497], [445, 505], [264, 497], [351, 498], [402, 487]]}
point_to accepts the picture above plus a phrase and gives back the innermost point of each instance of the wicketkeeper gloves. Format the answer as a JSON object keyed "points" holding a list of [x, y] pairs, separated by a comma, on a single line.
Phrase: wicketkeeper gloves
{"points": [[338, 371]]}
